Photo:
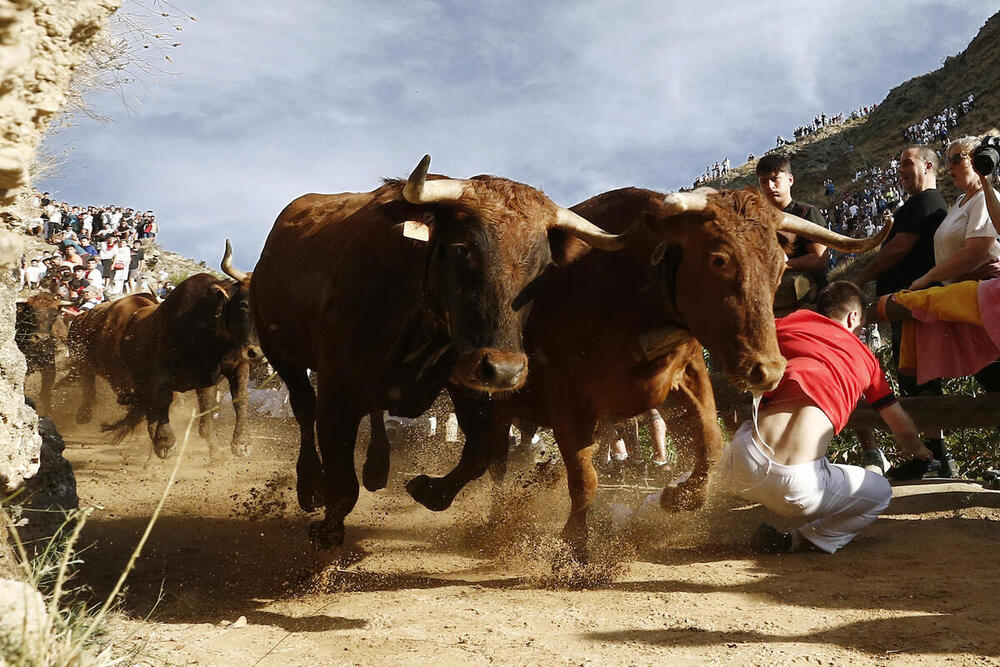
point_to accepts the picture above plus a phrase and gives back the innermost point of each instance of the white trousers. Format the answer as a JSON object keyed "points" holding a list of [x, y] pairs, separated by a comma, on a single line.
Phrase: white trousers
{"points": [[841, 500]]}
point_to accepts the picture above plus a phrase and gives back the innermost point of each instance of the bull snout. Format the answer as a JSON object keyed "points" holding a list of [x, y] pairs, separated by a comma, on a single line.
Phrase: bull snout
{"points": [[756, 373], [491, 370], [763, 375]]}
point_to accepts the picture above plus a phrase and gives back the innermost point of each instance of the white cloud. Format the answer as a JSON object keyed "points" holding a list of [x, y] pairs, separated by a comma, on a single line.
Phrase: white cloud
{"points": [[274, 100]]}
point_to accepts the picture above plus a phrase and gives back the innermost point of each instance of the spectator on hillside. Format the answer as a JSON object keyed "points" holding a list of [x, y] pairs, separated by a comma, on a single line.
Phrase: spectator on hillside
{"points": [[907, 254], [123, 257], [805, 257], [107, 252], [33, 273], [966, 245]]}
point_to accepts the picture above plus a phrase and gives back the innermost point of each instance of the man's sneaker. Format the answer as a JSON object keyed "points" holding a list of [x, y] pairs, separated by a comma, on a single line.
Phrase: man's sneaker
{"points": [[942, 468], [911, 469], [875, 461], [769, 540]]}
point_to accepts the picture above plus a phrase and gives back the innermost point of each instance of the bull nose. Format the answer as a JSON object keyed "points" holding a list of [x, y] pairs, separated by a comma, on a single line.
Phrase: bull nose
{"points": [[765, 375], [501, 373]]}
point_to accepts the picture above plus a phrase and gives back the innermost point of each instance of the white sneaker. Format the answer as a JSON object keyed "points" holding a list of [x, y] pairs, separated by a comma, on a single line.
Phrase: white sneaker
{"points": [[875, 461]]}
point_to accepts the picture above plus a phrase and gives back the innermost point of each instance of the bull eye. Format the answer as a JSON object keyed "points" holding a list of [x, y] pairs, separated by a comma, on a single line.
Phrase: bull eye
{"points": [[460, 250], [718, 260]]}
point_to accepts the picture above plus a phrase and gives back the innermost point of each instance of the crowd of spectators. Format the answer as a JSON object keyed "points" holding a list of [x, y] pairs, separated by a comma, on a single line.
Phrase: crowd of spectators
{"points": [[97, 253], [722, 168], [935, 128]]}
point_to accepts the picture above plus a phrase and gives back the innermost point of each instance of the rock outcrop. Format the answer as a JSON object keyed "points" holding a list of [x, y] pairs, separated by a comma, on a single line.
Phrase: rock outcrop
{"points": [[42, 44]]}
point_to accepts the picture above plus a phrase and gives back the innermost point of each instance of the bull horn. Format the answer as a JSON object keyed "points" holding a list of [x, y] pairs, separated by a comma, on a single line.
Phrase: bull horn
{"points": [[418, 190], [585, 230], [819, 234], [676, 203], [66, 303], [22, 299], [227, 265]]}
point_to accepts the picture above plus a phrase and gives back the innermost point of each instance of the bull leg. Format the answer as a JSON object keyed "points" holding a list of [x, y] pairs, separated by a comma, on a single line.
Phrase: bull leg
{"points": [[375, 473], [158, 414], [207, 407], [575, 437], [239, 379], [86, 410], [474, 416], [309, 470], [336, 431], [699, 420], [48, 372]]}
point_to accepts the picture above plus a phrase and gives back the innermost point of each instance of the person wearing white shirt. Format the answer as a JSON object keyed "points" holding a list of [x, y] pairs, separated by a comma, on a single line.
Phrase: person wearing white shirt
{"points": [[966, 245]]}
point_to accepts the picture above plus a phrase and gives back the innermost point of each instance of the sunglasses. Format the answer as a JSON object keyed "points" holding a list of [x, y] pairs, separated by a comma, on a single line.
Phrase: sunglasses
{"points": [[957, 158]]}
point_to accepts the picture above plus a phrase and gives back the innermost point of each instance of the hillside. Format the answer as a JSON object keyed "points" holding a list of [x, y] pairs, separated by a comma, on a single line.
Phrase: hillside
{"points": [[839, 152]]}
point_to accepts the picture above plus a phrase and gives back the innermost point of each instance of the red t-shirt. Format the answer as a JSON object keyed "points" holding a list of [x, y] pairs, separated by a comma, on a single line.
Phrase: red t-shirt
{"points": [[830, 365]]}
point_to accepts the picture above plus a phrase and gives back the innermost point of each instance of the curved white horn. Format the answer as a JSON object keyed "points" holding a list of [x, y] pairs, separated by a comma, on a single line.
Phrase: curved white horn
{"points": [[418, 190], [585, 230], [817, 233], [227, 265], [681, 202]]}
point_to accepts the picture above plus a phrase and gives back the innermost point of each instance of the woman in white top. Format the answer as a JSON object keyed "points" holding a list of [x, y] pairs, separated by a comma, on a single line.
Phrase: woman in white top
{"points": [[966, 245]]}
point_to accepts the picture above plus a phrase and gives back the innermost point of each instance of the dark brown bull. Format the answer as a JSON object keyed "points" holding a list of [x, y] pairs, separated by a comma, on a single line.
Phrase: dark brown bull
{"points": [[386, 320], [38, 328], [605, 342], [148, 350]]}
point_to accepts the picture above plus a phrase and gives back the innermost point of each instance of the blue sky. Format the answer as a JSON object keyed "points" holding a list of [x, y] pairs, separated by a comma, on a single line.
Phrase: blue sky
{"points": [[268, 101]]}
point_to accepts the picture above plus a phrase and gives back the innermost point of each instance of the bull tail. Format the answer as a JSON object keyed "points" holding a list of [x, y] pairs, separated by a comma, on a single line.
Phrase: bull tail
{"points": [[121, 428]]}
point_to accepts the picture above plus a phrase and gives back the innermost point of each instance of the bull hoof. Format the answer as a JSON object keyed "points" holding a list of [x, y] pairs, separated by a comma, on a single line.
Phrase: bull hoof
{"points": [[310, 494], [374, 476], [682, 498], [326, 534], [576, 550], [163, 450], [426, 491]]}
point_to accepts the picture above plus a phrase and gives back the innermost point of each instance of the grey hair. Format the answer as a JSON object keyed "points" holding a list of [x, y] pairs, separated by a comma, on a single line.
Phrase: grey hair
{"points": [[964, 144]]}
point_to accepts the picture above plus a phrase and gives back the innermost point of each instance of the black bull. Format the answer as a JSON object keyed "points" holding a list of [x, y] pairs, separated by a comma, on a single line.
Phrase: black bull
{"points": [[146, 351]]}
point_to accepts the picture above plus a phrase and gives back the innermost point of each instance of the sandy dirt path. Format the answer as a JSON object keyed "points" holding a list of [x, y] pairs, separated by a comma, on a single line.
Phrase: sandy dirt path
{"points": [[414, 587]]}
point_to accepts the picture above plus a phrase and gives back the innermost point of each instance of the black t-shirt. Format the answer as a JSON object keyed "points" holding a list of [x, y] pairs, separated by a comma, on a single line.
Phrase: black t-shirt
{"points": [[137, 256], [921, 215], [801, 244]]}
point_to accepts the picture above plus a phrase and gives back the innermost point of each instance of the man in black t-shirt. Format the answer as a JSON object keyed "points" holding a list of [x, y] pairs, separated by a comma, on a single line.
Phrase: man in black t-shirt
{"points": [[805, 257], [907, 254]]}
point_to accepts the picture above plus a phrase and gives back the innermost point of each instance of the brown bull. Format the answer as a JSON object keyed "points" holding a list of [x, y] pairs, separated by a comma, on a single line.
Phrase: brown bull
{"points": [[604, 341], [38, 329], [148, 350], [388, 296]]}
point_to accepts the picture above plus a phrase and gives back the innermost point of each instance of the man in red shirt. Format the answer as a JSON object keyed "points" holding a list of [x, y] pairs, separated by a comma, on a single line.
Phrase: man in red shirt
{"points": [[779, 459]]}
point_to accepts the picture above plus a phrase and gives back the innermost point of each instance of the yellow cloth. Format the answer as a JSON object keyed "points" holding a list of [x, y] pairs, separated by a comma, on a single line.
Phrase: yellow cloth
{"points": [[957, 302]]}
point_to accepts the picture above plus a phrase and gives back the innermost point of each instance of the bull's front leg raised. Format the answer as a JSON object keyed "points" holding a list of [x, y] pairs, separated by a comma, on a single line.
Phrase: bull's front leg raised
{"points": [[698, 419], [158, 421], [375, 473], [474, 416], [239, 378]]}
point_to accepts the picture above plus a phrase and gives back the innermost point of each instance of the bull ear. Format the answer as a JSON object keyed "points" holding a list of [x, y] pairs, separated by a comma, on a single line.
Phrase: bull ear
{"points": [[565, 248]]}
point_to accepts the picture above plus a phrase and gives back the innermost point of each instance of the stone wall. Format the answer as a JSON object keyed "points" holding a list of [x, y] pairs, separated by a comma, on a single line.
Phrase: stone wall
{"points": [[42, 44]]}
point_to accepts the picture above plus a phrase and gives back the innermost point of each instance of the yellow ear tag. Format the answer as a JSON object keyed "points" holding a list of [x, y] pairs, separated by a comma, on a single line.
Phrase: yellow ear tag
{"points": [[418, 231]]}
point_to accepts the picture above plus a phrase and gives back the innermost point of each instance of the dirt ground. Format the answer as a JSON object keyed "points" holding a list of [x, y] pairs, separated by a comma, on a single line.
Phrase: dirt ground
{"points": [[471, 586]]}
